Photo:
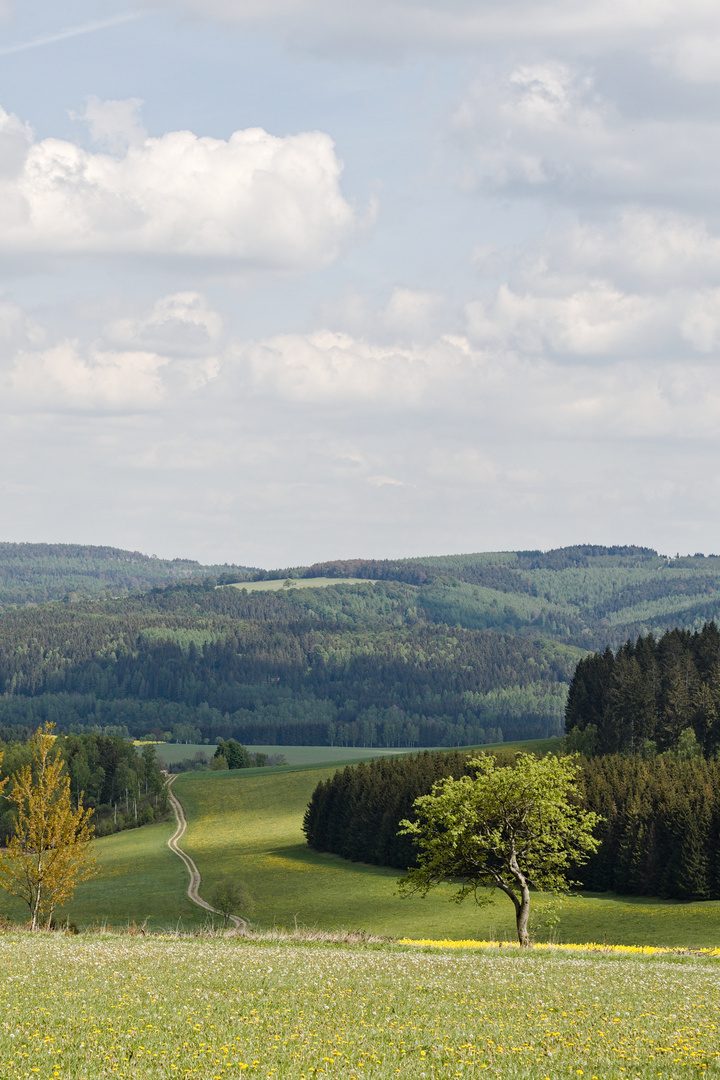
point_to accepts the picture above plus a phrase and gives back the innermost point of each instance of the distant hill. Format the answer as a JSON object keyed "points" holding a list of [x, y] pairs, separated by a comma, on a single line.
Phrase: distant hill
{"points": [[454, 650], [38, 573], [587, 595]]}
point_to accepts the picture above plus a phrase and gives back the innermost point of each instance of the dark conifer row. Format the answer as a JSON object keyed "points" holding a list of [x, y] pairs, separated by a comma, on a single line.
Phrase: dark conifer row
{"points": [[660, 836], [648, 692]]}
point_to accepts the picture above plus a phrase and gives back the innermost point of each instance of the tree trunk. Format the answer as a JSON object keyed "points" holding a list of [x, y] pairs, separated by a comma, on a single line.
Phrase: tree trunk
{"points": [[521, 914], [522, 906]]}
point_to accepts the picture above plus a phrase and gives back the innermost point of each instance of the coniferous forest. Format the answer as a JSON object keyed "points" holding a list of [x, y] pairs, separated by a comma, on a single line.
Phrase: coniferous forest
{"points": [[660, 835], [441, 651]]}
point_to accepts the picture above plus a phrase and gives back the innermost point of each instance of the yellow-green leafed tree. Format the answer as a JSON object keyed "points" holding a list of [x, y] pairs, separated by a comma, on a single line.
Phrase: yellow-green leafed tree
{"points": [[51, 850]]}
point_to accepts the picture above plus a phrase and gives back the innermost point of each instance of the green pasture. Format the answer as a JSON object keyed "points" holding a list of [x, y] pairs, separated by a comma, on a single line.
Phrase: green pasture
{"points": [[285, 584], [169, 753], [223, 1008], [139, 878], [247, 825]]}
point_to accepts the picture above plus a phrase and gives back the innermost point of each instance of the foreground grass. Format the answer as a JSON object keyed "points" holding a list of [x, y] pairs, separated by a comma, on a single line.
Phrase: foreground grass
{"points": [[159, 1008], [247, 825]]}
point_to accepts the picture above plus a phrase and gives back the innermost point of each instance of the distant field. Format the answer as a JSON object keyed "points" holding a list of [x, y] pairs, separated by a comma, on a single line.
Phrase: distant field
{"points": [[343, 755], [295, 755], [275, 585], [247, 824]]}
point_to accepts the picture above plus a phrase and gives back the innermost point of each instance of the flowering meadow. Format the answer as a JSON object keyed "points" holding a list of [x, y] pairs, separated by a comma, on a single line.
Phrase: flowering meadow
{"points": [[81, 1008]]}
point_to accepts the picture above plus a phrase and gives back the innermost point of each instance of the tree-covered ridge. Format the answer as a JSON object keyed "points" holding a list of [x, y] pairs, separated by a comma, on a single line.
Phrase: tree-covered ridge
{"points": [[648, 693], [587, 595], [660, 835], [357, 665], [455, 650], [39, 573]]}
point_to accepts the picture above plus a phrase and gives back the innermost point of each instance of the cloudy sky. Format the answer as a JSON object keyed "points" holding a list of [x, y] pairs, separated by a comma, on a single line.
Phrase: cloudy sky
{"points": [[288, 280]]}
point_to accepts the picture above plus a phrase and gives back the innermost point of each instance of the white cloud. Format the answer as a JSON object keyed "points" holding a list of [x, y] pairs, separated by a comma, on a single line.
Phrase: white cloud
{"points": [[115, 125], [327, 367], [137, 364], [692, 56], [638, 285], [66, 377], [416, 315], [182, 324], [544, 131], [256, 199]]}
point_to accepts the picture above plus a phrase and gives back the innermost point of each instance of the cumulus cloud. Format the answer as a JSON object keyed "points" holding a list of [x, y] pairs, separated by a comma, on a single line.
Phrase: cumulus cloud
{"points": [[498, 389], [544, 131], [417, 315], [182, 324], [136, 365], [637, 285], [257, 199], [115, 125], [327, 366]]}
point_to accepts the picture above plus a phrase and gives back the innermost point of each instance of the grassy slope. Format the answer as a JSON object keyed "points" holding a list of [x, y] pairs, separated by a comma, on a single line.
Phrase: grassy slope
{"points": [[247, 825], [274, 585], [139, 878]]}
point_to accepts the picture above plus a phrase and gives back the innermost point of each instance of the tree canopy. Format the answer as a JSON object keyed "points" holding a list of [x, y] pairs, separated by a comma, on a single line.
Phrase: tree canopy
{"points": [[508, 827], [50, 851]]}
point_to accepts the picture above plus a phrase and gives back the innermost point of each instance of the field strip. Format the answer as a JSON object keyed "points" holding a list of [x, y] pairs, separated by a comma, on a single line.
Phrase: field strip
{"points": [[194, 886]]}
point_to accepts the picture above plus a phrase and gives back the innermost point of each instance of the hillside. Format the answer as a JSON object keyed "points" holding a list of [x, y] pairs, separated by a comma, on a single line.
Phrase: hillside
{"points": [[39, 573], [466, 649], [588, 596]]}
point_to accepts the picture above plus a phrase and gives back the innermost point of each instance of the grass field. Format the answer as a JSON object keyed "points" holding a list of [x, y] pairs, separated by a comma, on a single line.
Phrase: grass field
{"points": [[139, 878], [86, 1008], [295, 755], [247, 825], [342, 755], [295, 583]]}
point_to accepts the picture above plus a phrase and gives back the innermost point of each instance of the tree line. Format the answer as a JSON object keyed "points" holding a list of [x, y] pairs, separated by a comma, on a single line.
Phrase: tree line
{"points": [[642, 698], [660, 834], [123, 788]]}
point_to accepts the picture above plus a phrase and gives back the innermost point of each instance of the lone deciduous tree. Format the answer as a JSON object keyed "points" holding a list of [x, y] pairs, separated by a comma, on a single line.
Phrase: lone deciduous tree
{"points": [[51, 849], [508, 827], [230, 898]]}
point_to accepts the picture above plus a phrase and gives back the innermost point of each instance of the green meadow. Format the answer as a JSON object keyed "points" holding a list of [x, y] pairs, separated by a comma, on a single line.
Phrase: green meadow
{"points": [[285, 584], [223, 1008], [246, 825], [169, 753]]}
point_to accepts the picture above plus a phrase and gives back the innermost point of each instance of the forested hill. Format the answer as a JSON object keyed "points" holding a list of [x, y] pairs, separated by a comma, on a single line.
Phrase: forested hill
{"points": [[588, 595], [38, 573], [423, 652], [345, 664]]}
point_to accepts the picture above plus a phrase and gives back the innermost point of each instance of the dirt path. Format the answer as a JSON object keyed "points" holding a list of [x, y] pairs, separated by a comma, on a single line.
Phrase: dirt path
{"points": [[194, 886]]}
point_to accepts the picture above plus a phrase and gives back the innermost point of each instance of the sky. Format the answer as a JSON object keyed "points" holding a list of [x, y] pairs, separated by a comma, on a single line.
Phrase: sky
{"points": [[291, 280]]}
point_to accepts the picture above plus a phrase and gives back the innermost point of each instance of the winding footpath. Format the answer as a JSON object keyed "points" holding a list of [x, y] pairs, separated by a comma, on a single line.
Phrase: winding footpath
{"points": [[194, 886]]}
